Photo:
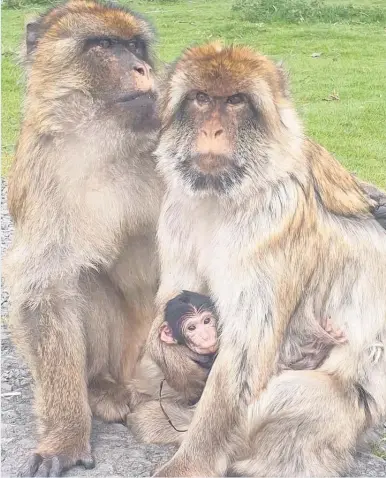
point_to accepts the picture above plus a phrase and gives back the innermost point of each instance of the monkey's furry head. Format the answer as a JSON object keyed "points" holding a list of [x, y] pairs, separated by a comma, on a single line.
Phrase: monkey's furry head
{"points": [[224, 109], [87, 56], [182, 306], [60, 46]]}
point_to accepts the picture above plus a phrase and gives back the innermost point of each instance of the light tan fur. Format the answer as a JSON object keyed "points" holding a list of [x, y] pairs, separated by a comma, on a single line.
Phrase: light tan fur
{"points": [[84, 196], [290, 239], [147, 420]]}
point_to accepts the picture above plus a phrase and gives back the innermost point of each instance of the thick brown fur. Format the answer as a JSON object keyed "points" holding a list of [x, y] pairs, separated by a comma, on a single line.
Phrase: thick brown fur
{"points": [[280, 235], [84, 197]]}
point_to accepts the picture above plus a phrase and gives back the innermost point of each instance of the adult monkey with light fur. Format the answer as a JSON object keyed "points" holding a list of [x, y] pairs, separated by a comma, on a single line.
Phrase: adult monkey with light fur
{"points": [[281, 236], [85, 198]]}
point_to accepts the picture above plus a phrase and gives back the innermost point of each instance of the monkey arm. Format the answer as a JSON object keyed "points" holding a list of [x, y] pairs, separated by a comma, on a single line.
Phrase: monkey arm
{"points": [[179, 370], [57, 355]]}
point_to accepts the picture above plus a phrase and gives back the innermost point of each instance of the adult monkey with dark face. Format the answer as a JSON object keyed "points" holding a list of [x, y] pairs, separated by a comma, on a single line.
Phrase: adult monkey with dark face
{"points": [[85, 198], [281, 235]]}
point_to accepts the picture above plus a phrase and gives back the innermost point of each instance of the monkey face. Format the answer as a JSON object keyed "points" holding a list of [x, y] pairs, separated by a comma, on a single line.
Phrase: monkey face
{"points": [[126, 80], [100, 54], [213, 161], [124, 67], [200, 333], [220, 112]]}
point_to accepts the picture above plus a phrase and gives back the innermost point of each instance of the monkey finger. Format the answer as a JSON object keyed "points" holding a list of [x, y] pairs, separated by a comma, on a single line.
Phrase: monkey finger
{"points": [[61, 463], [328, 326], [338, 335], [45, 468], [55, 465], [87, 461]]}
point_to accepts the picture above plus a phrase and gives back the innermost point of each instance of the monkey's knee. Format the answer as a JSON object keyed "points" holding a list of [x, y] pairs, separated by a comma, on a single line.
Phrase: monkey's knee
{"points": [[149, 424], [303, 425]]}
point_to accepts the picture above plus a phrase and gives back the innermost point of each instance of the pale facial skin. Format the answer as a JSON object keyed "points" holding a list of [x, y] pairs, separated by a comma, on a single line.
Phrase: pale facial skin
{"points": [[199, 331]]}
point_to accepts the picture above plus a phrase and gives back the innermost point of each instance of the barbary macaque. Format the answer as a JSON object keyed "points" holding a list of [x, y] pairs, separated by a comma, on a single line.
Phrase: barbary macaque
{"points": [[280, 235], [162, 414], [84, 197], [190, 320]]}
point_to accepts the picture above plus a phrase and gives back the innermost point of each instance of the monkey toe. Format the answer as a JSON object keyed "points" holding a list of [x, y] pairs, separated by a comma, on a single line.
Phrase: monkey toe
{"points": [[340, 336], [32, 465], [55, 465]]}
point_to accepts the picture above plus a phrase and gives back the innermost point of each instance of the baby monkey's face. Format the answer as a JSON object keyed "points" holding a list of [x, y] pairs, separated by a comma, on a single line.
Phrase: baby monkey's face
{"points": [[200, 333]]}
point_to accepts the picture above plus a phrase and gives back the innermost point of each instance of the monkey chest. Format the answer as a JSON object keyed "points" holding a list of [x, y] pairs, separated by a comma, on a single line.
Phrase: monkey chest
{"points": [[220, 255]]}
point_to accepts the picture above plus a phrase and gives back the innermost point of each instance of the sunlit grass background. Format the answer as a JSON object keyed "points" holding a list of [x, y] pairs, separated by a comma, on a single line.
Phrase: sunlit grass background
{"points": [[341, 94]]}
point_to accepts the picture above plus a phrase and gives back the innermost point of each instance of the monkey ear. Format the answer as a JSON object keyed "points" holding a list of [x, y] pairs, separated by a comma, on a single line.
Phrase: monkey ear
{"points": [[32, 35], [283, 79], [166, 334]]}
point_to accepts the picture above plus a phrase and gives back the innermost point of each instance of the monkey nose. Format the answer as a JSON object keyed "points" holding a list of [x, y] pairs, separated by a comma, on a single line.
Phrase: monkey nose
{"points": [[142, 69], [143, 78], [212, 133]]}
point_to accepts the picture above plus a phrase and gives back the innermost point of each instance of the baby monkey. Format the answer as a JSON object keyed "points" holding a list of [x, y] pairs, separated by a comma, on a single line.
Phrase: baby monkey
{"points": [[191, 321]]}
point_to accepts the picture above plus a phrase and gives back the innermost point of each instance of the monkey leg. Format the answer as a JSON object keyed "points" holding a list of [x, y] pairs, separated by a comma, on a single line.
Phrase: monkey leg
{"points": [[305, 424], [115, 332], [50, 334], [150, 425]]}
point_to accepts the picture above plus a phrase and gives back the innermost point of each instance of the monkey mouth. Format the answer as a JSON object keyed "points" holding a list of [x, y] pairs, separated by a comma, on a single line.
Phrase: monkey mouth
{"points": [[221, 179], [211, 163]]}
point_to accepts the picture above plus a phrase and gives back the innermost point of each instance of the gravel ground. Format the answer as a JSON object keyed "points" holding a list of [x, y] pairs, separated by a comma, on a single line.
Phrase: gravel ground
{"points": [[116, 452], [6, 236]]}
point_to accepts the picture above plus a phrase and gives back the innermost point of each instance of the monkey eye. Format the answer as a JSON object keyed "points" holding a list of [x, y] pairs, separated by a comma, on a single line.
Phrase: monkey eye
{"points": [[235, 99], [106, 42], [202, 98], [206, 320], [132, 45], [192, 327]]}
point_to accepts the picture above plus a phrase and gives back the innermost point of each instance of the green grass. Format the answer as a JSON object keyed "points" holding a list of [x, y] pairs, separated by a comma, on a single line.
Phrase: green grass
{"points": [[310, 11], [352, 67]]}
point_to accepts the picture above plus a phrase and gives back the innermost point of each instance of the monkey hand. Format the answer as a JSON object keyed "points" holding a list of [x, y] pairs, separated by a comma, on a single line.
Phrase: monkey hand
{"points": [[54, 464]]}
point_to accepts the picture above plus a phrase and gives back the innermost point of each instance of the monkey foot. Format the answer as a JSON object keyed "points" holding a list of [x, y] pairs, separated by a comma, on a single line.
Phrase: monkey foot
{"points": [[110, 401], [54, 465], [337, 334]]}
